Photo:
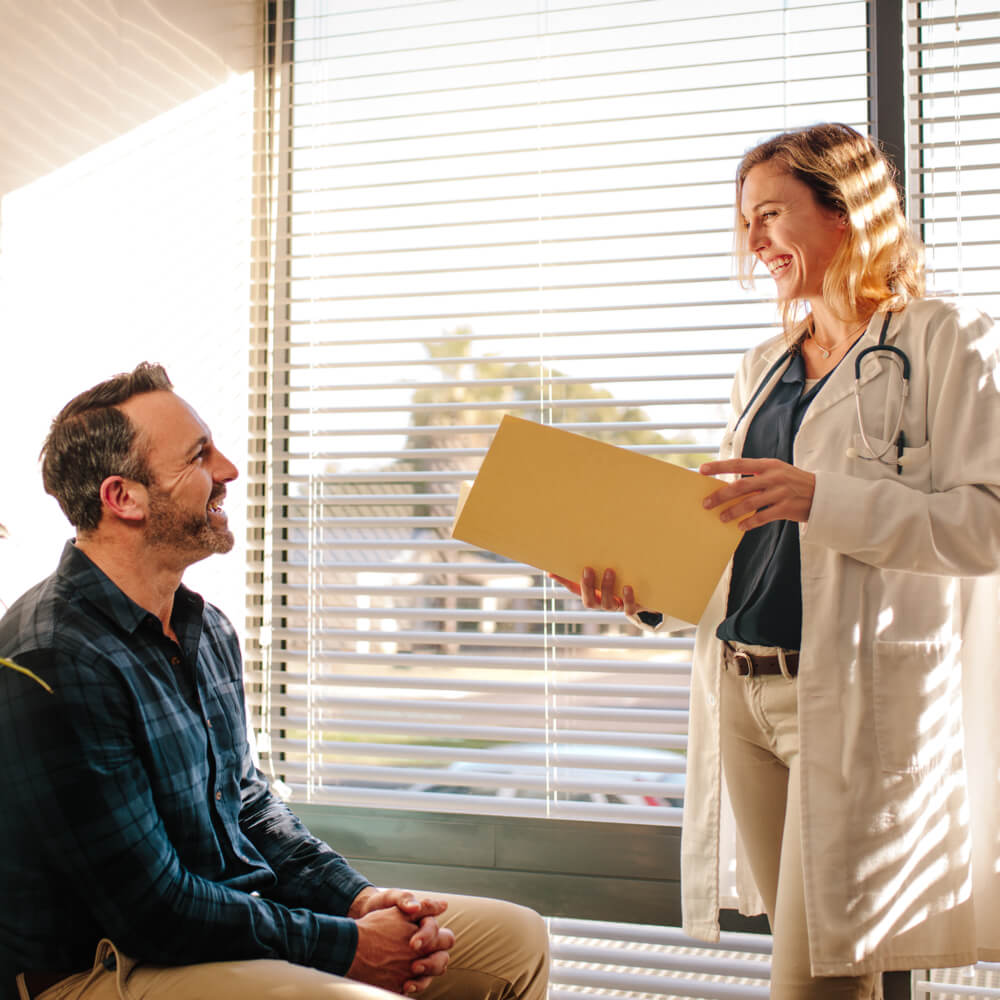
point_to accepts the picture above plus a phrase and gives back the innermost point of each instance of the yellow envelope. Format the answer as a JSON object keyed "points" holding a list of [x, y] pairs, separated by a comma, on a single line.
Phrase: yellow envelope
{"points": [[560, 501]]}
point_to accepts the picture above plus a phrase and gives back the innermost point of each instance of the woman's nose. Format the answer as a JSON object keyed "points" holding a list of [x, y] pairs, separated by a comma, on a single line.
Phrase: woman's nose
{"points": [[756, 238]]}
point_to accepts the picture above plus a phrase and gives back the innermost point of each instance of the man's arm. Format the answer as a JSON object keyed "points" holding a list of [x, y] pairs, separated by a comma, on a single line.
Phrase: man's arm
{"points": [[73, 771], [400, 945], [310, 873]]}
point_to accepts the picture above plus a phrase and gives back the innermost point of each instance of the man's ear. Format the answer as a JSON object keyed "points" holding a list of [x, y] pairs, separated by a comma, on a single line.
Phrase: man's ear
{"points": [[124, 498]]}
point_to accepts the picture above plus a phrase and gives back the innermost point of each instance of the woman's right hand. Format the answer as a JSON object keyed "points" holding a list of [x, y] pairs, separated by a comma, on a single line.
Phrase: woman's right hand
{"points": [[603, 597]]}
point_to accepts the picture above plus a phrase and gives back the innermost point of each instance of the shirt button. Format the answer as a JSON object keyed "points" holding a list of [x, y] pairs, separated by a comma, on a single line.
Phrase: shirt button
{"points": [[175, 660], [218, 796]]}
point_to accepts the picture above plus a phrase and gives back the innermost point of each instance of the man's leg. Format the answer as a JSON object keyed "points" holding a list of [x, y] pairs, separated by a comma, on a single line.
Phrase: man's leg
{"points": [[261, 979], [501, 952]]}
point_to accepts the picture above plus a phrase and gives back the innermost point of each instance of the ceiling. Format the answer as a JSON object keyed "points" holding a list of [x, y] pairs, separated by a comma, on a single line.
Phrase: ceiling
{"points": [[79, 73]]}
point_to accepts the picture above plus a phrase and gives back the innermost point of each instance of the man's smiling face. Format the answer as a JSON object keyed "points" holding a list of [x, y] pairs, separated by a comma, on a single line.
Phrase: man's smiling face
{"points": [[189, 473]]}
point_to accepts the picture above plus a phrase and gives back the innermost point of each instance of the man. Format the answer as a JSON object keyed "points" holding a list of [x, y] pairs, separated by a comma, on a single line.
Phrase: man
{"points": [[134, 820]]}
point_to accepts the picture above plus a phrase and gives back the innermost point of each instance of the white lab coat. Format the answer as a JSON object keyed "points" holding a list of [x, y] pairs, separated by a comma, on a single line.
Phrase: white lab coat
{"points": [[901, 840]]}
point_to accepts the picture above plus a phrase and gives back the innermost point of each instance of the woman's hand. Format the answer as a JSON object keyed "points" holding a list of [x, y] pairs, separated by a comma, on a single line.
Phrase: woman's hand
{"points": [[769, 490], [603, 598]]}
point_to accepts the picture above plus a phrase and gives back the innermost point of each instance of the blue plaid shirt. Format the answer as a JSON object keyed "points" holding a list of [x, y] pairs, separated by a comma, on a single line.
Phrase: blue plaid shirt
{"points": [[131, 807]]}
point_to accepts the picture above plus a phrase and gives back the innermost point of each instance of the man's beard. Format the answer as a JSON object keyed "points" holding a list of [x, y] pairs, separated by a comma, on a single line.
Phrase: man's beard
{"points": [[168, 527]]}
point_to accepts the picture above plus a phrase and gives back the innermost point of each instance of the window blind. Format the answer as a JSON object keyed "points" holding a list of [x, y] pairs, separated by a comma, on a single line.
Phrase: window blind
{"points": [[954, 56], [601, 959], [475, 211], [981, 980]]}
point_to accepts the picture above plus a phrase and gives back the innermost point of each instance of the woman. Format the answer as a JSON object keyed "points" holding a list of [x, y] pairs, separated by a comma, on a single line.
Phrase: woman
{"points": [[826, 701]]}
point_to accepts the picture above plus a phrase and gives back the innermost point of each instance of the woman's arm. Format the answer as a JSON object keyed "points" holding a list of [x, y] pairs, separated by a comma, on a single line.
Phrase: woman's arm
{"points": [[951, 529]]}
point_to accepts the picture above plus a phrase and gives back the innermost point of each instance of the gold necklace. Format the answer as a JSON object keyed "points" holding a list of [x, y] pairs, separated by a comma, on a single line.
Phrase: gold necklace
{"points": [[827, 351]]}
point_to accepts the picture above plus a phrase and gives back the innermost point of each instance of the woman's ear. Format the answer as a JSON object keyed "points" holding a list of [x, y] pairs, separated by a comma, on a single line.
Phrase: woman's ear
{"points": [[123, 498]]}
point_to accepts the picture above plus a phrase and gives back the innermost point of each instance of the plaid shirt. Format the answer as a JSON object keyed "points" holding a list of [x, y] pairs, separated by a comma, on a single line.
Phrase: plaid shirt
{"points": [[131, 807]]}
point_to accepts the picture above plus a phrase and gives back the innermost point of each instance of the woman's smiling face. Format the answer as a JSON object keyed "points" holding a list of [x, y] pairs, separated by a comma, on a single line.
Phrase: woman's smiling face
{"points": [[788, 231]]}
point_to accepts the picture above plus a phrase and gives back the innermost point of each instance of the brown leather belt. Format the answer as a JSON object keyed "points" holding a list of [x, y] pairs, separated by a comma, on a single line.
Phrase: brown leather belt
{"points": [[753, 664]]}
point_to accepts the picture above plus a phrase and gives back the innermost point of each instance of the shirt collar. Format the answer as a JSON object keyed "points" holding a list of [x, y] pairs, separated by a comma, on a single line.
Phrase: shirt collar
{"points": [[796, 370], [93, 584]]}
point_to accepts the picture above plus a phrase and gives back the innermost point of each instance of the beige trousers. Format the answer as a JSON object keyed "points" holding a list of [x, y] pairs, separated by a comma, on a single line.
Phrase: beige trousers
{"points": [[501, 953], [760, 757]]}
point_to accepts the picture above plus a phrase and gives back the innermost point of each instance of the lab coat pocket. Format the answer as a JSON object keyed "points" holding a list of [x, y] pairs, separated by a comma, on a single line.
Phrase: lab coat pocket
{"points": [[913, 693], [914, 471]]}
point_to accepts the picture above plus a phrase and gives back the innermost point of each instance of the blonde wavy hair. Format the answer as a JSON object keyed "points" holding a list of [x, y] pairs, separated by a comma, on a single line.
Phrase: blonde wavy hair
{"points": [[879, 264]]}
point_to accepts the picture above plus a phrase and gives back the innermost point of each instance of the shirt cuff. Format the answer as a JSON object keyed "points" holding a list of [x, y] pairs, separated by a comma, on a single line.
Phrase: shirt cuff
{"points": [[336, 945], [648, 621]]}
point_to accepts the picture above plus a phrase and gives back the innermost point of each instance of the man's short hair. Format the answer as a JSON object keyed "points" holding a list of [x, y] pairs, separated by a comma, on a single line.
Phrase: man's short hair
{"points": [[92, 439]]}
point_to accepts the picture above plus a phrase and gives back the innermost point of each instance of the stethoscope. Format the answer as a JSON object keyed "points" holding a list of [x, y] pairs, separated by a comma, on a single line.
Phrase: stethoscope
{"points": [[897, 440]]}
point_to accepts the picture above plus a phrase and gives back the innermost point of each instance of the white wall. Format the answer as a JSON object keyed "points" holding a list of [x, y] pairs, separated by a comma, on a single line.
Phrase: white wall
{"points": [[135, 247]]}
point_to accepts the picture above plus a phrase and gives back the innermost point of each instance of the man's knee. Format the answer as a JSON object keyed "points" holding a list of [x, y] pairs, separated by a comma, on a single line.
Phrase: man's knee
{"points": [[527, 927], [522, 944], [521, 925], [496, 931]]}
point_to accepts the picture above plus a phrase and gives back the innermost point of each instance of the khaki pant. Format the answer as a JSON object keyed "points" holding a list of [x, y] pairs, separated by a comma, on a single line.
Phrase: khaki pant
{"points": [[760, 757], [500, 953]]}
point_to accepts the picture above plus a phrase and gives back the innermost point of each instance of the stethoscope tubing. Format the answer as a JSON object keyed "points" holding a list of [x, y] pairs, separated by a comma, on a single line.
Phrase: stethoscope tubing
{"points": [[898, 358]]}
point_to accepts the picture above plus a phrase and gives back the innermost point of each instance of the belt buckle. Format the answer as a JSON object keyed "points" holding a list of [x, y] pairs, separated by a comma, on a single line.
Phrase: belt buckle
{"points": [[742, 656]]}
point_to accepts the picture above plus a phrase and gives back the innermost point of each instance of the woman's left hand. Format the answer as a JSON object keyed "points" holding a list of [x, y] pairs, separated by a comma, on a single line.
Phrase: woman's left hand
{"points": [[771, 490]]}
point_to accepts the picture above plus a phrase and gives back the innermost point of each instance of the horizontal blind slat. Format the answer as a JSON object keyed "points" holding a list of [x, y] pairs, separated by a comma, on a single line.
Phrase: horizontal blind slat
{"points": [[487, 805], [710, 964], [490, 661], [526, 734]]}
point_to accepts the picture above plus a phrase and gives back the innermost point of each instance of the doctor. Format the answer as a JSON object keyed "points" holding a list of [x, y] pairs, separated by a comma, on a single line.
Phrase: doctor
{"points": [[826, 696]]}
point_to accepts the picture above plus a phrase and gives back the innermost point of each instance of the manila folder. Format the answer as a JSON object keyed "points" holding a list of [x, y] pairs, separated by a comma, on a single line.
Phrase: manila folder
{"points": [[560, 501]]}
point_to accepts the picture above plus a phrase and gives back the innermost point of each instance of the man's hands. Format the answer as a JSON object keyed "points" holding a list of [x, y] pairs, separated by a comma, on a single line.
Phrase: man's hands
{"points": [[768, 490], [400, 945]]}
